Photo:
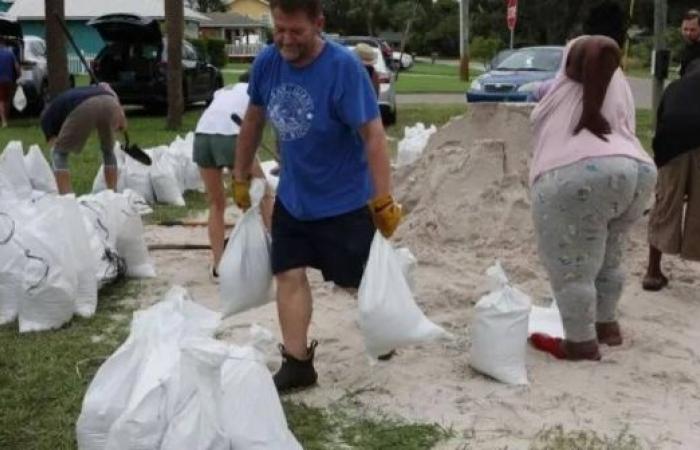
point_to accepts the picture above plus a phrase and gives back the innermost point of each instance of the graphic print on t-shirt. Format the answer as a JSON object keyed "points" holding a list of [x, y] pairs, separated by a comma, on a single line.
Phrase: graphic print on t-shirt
{"points": [[291, 110]]}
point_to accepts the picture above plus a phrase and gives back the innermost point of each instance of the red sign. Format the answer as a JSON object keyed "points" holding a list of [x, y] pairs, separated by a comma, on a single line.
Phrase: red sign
{"points": [[512, 14]]}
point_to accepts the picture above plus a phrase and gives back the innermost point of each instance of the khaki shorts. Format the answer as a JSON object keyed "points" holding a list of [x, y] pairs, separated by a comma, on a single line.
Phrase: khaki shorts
{"points": [[101, 112], [674, 223]]}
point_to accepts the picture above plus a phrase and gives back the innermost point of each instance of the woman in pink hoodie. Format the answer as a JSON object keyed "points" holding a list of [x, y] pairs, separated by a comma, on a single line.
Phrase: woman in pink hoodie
{"points": [[590, 181]]}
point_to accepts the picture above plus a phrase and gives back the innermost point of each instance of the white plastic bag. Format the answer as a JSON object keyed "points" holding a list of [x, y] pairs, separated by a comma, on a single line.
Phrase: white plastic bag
{"points": [[19, 100], [12, 169], [389, 315], [245, 270], [408, 266], [50, 277], [137, 177], [250, 409], [165, 185], [196, 425], [546, 320], [11, 269], [499, 330], [412, 145], [39, 171]]}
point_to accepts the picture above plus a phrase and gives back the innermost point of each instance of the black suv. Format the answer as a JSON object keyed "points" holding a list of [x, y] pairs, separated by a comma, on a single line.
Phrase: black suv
{"points": [[134, 62]]}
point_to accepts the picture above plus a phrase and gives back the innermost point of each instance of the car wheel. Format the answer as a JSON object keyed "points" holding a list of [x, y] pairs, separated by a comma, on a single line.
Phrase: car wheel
{"points": [[388, 117]]}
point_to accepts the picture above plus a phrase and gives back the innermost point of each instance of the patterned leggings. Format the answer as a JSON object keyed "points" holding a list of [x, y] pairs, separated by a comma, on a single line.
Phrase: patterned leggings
{"points": [[582, 213]]}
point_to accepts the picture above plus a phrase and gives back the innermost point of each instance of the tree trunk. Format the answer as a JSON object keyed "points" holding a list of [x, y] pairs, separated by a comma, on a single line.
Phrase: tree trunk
{"points": [[175, 26], [56, 57]]}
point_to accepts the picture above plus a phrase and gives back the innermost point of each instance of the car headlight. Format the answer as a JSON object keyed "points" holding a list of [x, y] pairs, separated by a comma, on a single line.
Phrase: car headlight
{"points": [[475, 86], [529, 87]]}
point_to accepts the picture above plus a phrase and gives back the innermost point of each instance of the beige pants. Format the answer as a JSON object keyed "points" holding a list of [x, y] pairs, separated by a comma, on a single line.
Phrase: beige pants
{"points": [[674, 224], [101, 112]]}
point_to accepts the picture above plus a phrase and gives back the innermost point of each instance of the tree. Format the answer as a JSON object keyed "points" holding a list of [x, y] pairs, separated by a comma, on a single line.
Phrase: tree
{"points": [[175, 27], [206, 6], [56, 57]]}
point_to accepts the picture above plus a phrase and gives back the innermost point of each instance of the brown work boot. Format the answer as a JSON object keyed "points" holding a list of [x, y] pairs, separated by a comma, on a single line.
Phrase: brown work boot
{"points": [[608, 333], [296, 374], [563, 349]]}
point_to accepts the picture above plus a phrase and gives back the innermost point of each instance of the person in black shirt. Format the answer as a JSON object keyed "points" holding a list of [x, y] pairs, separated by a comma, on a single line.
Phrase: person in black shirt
{"points": [[69, 120], [690, 29], [674, 222]]}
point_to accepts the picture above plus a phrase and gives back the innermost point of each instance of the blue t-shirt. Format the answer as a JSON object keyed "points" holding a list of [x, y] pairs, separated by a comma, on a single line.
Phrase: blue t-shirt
{"points": [[317, 111], [7, 65]]}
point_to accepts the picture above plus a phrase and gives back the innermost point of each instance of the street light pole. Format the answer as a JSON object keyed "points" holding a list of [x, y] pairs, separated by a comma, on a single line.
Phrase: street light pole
{"points": [[464, 40]]}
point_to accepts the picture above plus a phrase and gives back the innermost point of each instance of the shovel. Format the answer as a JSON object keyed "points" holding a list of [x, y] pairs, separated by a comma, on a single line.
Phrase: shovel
{"points": [[135, 151]]}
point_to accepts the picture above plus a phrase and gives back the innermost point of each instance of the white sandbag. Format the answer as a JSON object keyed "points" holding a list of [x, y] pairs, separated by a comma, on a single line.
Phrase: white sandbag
{"points": [[546, 320], [85, 259], [127, 400], [101, 236], [99, 184], [136, 202], [138, 178], [12, 169], [196, 425], [50, 278], [165, 185], [267, 167], [19, 100], [245, 271], [389, 315], [412, 145], [408, 266], [11, 269], [132, 247], [499, 330], [39, 171], [193, 179], [251, 411]]}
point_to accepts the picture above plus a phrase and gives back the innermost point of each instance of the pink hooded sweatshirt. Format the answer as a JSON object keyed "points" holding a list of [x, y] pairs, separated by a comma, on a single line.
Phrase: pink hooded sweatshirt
{"points": [[556, 115]]}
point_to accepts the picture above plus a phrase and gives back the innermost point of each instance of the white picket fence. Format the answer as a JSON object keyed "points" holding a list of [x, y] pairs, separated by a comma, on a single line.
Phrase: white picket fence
{"points": [[240, 50], [75, 66]]}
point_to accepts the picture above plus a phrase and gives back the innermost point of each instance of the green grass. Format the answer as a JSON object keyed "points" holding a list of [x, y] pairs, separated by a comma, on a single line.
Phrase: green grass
{"points": [[556, 438], [44, 375], [433, 78]]}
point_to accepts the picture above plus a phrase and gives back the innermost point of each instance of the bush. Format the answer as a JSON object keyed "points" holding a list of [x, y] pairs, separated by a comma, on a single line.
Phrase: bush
{"points": [[213, 49], [484, 48]]}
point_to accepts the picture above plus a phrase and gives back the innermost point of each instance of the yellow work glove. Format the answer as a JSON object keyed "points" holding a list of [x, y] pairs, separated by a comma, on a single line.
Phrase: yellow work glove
{"points": [[241, 194], [386, 214]]}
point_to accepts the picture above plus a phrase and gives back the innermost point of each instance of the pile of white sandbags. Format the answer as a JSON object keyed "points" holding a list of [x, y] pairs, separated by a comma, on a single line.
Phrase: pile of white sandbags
{"points": [[171, 385], [165, 181], [413, 143], [56, 251]]}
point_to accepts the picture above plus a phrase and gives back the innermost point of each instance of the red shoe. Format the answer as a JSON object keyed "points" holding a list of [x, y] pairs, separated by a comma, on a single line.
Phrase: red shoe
{"points": [[563, 349]]}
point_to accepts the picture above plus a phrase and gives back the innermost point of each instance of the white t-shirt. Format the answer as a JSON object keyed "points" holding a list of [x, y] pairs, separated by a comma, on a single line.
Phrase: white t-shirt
{"points": [[216, 119]]}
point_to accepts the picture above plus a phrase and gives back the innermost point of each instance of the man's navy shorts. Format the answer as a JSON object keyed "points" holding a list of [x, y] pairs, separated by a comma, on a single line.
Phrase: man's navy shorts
{"points": [[337, 246]]}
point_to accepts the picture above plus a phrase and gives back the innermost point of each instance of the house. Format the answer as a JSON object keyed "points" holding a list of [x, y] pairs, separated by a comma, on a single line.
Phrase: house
{"points": [[255, 9], [30, 14], [244, 36]]}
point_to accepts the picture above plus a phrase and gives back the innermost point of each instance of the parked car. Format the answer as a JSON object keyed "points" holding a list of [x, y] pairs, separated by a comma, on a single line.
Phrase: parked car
{"points": [[387, 78], [31, 53], [516, 75], [134, 62]]}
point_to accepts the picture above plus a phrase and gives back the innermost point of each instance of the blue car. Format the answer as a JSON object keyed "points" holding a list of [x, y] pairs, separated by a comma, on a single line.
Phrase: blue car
{"points": [[513, 78]]}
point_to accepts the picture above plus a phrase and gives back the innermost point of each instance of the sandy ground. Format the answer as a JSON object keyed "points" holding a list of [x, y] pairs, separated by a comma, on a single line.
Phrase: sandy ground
{"points": [[468, 206]]}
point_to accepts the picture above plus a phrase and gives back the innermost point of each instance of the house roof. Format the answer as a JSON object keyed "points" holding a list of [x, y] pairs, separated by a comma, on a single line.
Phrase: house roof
{"points": [[87, 9], [231, 20]]}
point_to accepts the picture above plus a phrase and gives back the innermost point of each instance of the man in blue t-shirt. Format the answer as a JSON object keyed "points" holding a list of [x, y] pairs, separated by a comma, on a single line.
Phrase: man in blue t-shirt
{"points": [[335, 163], [9, 72]]}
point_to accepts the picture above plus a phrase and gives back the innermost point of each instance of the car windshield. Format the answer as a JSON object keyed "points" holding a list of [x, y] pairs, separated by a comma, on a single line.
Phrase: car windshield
{"points": [[533, 59]]}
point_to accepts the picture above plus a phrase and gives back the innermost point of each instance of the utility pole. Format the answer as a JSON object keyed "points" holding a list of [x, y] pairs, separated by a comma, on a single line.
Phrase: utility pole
{"points": [[660, 54], [464, 40]]}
